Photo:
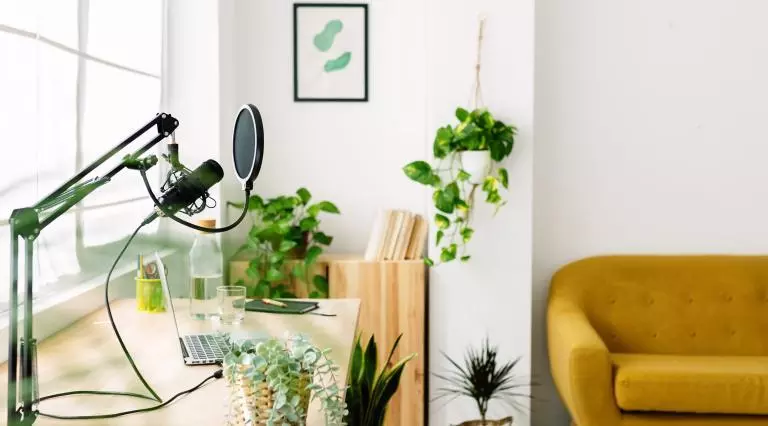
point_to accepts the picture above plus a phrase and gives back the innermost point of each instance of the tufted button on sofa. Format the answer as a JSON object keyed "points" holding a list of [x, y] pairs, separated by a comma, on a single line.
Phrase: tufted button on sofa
{"points": [[661, 340]]}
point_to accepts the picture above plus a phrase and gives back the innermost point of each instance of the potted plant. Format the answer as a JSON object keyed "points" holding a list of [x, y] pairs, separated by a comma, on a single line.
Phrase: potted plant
{"points": [[271, 382], [468, 156], [369, 392], [286, 228], [483, 379]]}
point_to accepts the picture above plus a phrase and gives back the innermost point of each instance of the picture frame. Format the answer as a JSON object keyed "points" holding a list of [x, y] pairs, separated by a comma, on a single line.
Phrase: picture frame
{"points": [[330, 52]]}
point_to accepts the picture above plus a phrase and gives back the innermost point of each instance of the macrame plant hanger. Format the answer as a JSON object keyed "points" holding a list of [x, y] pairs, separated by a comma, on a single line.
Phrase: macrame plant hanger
{"points": [[476, 98]]}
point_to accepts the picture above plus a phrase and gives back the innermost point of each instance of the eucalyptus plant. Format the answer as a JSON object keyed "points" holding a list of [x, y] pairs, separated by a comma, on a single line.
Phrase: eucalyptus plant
{"points": [[282, 364], [285, 228], [483, 379], [454, 194]]}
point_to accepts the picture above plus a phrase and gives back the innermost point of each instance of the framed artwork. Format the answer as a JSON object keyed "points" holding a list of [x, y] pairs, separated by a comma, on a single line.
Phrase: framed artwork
{"points": [[330, 52]]}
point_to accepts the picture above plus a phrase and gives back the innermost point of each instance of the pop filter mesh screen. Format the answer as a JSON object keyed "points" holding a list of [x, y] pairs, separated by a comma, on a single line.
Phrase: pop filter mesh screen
{"points": [[245, 144]]}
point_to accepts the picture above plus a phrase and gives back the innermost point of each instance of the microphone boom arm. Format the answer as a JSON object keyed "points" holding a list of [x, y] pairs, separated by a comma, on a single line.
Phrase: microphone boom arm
{"points": [[27, 223]]}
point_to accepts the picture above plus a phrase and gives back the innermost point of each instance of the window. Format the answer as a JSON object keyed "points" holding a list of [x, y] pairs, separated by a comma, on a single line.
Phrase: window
{"points": [[76, 78]]}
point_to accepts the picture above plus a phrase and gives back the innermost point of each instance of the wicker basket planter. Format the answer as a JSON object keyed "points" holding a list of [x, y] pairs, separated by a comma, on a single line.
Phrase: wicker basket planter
{"points": [[271, 382], [250, 403]]}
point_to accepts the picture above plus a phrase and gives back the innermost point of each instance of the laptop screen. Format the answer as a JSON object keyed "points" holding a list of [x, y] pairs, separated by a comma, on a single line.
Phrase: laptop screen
{"points": [[166, 291]]}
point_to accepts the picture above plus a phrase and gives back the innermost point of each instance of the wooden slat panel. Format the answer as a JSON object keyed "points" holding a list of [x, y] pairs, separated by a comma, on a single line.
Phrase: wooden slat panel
{"points": [[392, 301]]}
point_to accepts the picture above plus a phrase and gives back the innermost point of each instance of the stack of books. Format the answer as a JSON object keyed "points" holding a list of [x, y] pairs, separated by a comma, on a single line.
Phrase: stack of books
{"points": [[397, 235]]}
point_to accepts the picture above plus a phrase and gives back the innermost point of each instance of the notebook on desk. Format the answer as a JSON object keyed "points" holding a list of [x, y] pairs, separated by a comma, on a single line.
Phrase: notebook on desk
{"points": [[295, 307]]}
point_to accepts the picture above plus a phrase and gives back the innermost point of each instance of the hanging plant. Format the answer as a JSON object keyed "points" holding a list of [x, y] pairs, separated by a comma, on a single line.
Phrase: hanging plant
{"points": [[467, 156]]}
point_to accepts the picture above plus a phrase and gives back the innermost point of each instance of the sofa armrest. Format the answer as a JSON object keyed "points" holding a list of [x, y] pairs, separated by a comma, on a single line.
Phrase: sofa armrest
{"points": [[581, 366]]}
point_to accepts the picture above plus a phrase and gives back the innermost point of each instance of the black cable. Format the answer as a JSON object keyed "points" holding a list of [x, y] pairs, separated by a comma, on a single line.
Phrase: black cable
{"points": [[86, 392], [216, 375], [170, 215], [154, 397]]}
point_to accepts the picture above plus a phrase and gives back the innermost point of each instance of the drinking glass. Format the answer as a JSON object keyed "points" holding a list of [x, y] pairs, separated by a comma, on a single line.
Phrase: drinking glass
{"points": [[231, 304]]}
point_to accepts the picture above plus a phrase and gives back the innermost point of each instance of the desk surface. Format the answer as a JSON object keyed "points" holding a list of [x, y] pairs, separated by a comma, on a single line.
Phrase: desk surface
{"points": [[87, 356]]}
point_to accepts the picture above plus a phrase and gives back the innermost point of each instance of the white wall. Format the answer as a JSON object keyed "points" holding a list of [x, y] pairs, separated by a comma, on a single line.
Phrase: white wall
{"points": [[650, 136], [349, 153], [422, 57], [491, 294]]}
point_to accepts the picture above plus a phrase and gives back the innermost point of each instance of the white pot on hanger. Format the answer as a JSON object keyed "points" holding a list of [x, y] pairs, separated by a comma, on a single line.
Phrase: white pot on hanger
{"points": [[477, 164]]}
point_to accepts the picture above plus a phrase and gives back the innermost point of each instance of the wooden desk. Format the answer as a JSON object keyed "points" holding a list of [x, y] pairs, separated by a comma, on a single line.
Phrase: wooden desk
{"points": [[87, 356]]}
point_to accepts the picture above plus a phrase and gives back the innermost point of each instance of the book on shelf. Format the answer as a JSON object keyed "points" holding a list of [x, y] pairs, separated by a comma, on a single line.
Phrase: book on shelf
{"points": [[397, 235], [418, 241]]}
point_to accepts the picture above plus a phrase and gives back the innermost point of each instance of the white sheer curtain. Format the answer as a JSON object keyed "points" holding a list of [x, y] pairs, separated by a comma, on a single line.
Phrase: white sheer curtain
{"points": [[76, 78]]}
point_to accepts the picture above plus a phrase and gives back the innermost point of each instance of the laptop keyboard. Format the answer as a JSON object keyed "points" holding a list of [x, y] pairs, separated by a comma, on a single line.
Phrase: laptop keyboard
{"points": [[206, 347]]}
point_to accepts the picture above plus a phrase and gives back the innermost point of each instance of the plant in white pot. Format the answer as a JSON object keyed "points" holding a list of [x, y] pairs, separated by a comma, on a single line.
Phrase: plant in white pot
{"points": [[468, 156]]}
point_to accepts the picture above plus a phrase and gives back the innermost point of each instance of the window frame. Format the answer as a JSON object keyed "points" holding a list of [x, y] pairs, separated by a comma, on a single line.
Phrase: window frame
{"points": [[68, 292]]}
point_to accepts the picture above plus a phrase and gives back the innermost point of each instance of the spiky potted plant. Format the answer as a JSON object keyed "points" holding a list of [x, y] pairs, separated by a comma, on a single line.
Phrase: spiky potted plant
{"points": [[369, 390], [483, 379]]}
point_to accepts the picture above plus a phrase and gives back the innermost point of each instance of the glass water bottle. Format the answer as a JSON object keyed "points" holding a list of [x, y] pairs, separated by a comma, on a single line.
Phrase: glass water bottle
{"points": [[205, 272]]}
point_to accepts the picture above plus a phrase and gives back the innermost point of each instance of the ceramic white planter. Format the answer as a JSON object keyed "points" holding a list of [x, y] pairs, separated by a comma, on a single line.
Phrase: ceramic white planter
{"points": [[477, 164]]}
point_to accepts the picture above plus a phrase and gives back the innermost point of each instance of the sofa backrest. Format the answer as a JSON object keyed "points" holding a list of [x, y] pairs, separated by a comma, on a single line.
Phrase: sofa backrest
{"points": [[696, 305]]}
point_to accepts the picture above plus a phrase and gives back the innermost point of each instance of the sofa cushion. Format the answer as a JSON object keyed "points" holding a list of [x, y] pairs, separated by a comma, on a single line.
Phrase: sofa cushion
{"points": [[691, 384]]}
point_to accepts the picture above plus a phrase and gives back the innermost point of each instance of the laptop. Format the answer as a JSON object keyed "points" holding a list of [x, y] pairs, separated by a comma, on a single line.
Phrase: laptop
{"points": [[196, 349]]}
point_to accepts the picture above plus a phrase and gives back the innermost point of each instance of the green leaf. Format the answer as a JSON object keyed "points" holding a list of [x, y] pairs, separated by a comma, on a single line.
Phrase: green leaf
{"points": [[461, 205], [322, 238], [274, 274], [498, 150], [255, 203], [441, 221], [419, 171], [493, 197], [462, 114], [315, 295], [328, 207], [321, 283], [308, 223], [370, 362], [448, 254], [443, 141], [253, 273], [466, 234], [439, 237], [276, 257], [304, 195], [490, 183], [312, 255], [429, 262], [485, 120], [387, 385], [263, 288], [298, 271], [287, 245], [463, 176], [356, 365], [465, 258], [445, 199], [504, 177]]}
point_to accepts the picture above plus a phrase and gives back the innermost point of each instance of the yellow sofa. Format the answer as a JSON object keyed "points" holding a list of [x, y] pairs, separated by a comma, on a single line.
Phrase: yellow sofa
{"points": [[661, 340]]}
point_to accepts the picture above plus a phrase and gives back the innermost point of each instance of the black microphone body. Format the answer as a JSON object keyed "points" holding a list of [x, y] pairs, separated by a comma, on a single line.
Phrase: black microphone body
{"points": [[188, 189]]}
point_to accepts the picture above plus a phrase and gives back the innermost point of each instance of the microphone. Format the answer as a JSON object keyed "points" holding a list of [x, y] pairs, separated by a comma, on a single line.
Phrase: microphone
{"points": [[188, 189]]}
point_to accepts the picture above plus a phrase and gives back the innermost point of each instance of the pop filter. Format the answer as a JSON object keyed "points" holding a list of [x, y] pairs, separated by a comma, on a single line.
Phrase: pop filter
{"points": [[248, 145]]}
